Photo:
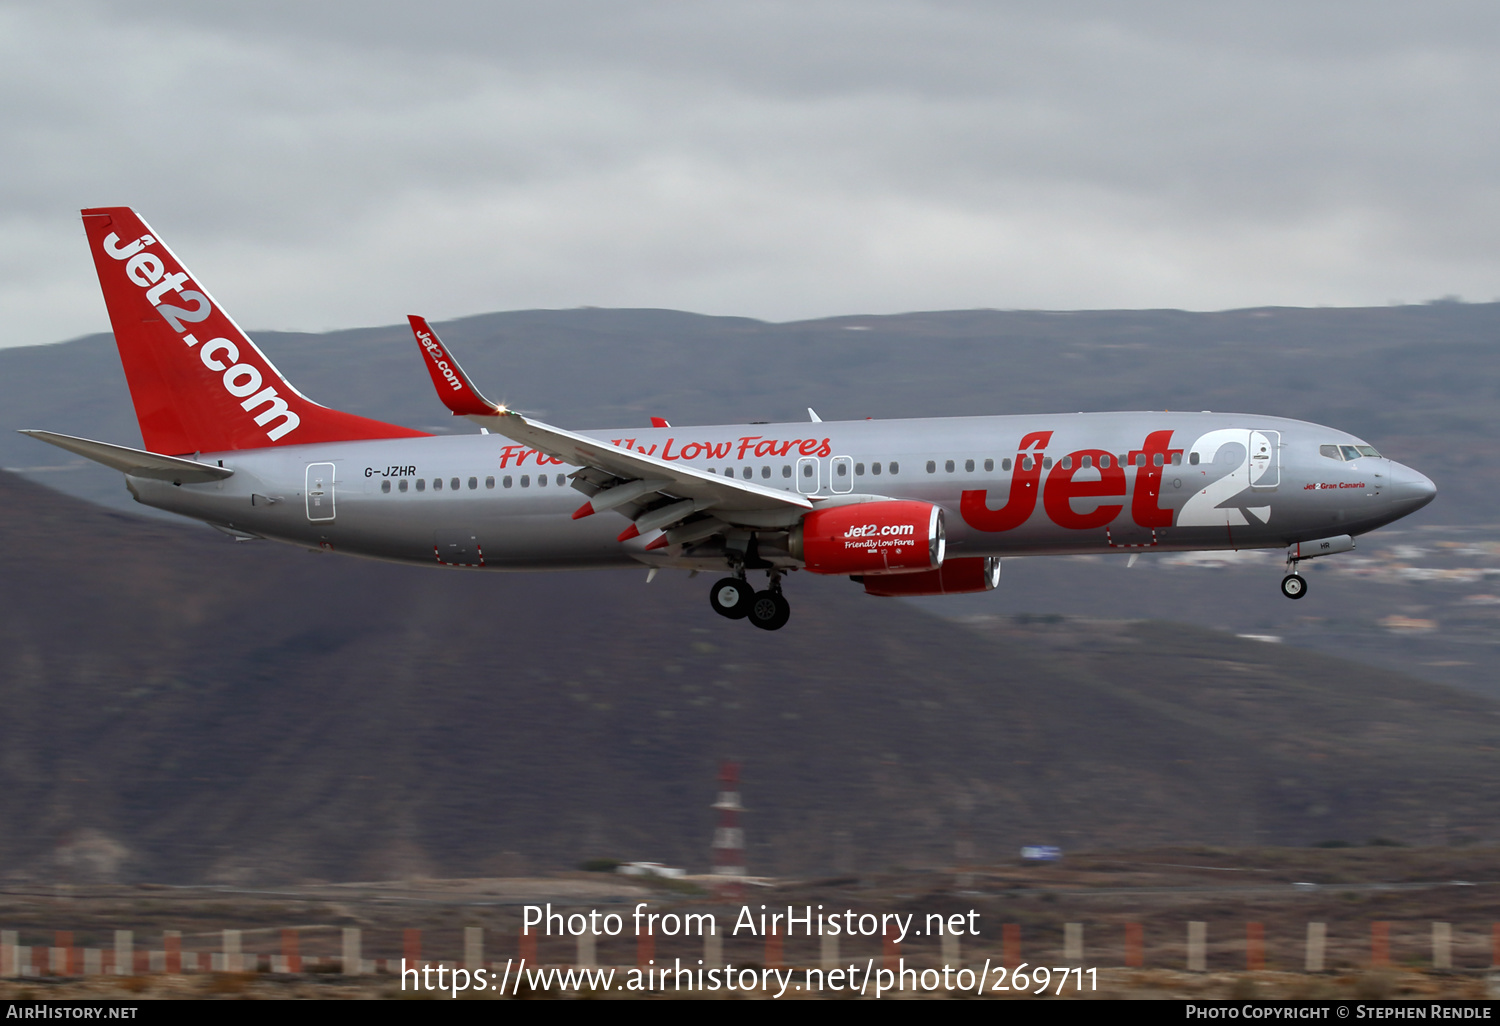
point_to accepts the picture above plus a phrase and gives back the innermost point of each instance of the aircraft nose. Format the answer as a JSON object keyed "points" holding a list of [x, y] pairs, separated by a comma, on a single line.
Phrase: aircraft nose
{"points": [[1410, 489]]}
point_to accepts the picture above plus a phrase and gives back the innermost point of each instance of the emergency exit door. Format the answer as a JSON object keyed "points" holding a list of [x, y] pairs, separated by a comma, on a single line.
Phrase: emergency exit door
{"points": [[319, 491]]}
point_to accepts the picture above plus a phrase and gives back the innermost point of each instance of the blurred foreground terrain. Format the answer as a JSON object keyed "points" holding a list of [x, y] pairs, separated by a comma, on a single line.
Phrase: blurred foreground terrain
{"points": [[1106, 896]]}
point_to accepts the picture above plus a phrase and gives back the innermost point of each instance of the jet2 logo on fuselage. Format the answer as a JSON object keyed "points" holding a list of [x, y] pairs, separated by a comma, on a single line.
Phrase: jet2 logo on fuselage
{"points": [[1094, 474]]}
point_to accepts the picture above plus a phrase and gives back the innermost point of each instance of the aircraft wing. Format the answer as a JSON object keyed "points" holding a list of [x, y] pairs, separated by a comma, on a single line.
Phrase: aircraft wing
{"points": [[725, 496], [724, 493]]}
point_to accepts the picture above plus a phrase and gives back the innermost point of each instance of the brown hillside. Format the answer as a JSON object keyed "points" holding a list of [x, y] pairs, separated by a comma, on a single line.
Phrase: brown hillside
{"points": [[175, 706]]}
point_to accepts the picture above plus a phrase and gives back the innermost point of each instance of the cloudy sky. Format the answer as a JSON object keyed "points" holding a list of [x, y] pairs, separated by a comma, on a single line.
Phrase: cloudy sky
{"points": [[326, 165]]}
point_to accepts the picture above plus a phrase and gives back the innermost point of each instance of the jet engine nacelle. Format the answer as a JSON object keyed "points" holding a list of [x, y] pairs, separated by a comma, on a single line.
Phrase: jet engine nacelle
{"points": [[882, 537], [954, 577]]}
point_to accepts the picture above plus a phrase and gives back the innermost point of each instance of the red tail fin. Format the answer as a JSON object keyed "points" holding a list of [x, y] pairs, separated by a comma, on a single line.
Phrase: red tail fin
{"points": [[198, 382]]}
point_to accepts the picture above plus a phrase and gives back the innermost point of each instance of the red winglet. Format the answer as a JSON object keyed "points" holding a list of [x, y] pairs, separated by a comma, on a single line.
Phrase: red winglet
{"points": [[659, 542], [586, 510], [198, 383], [453, 386], [629, 533], [659, 422]]}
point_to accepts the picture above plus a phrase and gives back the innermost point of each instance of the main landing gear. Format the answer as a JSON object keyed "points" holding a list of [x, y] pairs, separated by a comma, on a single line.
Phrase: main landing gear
{"points": [[733, 597]]}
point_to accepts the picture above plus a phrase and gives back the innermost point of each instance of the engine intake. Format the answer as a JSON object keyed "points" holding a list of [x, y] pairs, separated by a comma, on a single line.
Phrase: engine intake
{"points": [[894, 536]]}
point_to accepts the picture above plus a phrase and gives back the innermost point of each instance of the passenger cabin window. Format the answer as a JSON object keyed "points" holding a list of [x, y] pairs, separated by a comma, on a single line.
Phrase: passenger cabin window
{"points": [[874, 468], [989, 465], [969, 466], [562, 479], [1005, 464], [506, 480], [1103, 461], [895, 467], [765, 472], [1157, 459], [437, 484], [1193, 459], [948, 466], [402, 485], [421, 484], [1067, 463], [525, 480], [385, 486], [489, 482], [541, 480], [786, 470], [747, 472], [1046, 462], [453, 484], [932, 466], [1177, 459], [1087, 461], [859, 470], [1027, 463]]}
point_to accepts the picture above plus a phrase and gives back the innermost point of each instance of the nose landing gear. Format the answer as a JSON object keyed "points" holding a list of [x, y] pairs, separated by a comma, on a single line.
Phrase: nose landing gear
{"points": [[1293, 585], [733, 597]]}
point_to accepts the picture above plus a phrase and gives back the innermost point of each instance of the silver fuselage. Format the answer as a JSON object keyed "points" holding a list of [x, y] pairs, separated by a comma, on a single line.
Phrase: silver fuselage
{"points": [[510, 507]]}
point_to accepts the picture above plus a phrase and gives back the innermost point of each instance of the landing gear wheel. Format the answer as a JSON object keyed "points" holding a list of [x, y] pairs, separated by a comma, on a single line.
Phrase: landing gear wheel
{"points": [[770, 611], [1294, 586], [731, 597]]}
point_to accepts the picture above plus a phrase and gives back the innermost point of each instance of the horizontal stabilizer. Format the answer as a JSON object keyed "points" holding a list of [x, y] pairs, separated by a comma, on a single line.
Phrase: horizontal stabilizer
{"points": [[135, 462]]}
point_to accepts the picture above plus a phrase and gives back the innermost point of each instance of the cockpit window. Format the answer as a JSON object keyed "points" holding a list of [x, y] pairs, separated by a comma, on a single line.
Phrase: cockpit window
{"points": [[1367, 450], [1349, 451], [1331, 451]]}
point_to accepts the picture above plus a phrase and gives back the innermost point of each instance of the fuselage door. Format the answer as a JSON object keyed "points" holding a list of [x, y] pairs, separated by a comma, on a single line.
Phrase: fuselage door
{"points": [[1265, 459], [319, 491], [807, 475], [841, 474]]}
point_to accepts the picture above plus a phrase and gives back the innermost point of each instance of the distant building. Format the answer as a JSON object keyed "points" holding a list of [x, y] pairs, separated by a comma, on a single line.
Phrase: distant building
{"points": [[1408, 624], [649, 869]]}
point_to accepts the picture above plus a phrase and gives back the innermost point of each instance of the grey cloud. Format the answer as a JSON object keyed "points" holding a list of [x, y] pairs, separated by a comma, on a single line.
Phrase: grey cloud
{"points": [[322, 165]]}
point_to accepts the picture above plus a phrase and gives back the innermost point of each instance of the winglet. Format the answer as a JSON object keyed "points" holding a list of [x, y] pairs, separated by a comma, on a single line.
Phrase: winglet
{"points": [[452, 384]]}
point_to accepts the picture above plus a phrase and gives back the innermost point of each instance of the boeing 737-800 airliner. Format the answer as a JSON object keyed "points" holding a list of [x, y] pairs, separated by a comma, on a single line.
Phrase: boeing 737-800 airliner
{"points": [[905, 507]]}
